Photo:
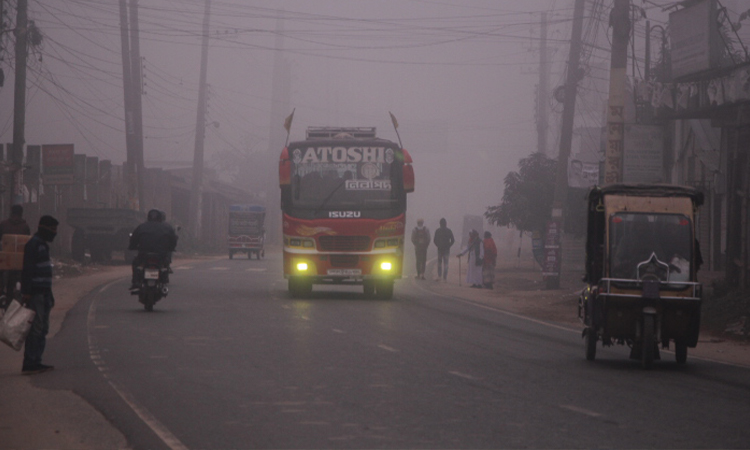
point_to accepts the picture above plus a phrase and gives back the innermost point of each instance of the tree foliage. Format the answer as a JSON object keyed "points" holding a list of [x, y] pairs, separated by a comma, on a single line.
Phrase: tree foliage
{"points": [[527, 199]]}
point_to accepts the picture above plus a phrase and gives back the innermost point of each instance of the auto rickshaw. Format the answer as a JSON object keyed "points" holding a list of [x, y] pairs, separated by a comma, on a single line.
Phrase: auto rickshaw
{"points": [[642, 260]]}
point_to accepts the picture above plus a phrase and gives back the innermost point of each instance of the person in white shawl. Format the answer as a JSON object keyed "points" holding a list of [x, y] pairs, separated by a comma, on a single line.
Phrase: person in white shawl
{"points": [[475, 254]]}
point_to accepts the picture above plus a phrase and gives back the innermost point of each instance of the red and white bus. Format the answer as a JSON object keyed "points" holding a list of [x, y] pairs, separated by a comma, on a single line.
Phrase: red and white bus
{"points": [[343, 199]]}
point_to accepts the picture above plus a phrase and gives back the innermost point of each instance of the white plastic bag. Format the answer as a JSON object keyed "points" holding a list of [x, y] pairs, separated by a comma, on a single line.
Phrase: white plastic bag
{"points": [[15, 324]]}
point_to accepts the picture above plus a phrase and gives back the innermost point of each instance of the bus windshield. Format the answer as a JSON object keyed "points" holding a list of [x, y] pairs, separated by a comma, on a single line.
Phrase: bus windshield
{"points": [[345, 177], [635, 237]]}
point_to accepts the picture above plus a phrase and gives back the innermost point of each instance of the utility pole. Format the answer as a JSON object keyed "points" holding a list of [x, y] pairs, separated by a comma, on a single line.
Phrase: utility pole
{"points": [[19, 102], [619, 19], [196, 192], [542, 95], [552, 243], [131, 166], [136, 91]]}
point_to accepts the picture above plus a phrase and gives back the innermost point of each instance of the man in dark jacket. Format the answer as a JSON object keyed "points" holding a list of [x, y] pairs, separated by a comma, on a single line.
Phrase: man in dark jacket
{"points": [[152, 236], [15, 224], [36, 293], [443, 241]]}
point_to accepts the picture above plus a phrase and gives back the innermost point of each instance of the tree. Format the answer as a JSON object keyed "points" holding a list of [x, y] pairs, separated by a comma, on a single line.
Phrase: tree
{"points": [[528, 195]]}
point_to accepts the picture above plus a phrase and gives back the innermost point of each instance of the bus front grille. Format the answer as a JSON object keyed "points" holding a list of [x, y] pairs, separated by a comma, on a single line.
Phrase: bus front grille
{"points": [[344, 243], [344, 260]]}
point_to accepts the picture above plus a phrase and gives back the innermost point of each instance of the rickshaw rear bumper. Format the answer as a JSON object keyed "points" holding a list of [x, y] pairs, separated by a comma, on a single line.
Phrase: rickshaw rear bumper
{"points": [[614, 312]]}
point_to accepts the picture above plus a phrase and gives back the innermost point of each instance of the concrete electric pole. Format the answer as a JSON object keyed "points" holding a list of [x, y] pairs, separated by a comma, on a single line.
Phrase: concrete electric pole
{"points": [[196, 192], [19, 103], [542, 93], [619, 20], [132, 100], [552, 242]]}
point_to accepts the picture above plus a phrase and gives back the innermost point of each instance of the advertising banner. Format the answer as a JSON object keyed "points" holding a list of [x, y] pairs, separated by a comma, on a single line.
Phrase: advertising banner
{"points": [[58, 164], [643, 158], [693, 36]]}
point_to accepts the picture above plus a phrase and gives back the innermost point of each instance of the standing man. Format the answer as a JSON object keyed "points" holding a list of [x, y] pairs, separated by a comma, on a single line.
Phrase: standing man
{"points": [[443, 241], [15, 224], [36, 291], [420, 237]]}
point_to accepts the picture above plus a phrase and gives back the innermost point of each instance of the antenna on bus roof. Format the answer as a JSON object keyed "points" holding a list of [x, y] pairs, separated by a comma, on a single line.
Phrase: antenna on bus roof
{"points": [[288, 125], [395, 127]]}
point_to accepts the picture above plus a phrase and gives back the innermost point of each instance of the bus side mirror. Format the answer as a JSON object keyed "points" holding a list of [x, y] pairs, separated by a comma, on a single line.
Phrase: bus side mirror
{"points": [[285, 168], [408, 176]]}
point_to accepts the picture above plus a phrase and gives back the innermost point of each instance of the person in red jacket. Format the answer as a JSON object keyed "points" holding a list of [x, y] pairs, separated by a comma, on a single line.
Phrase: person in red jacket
{"points": [[490, 261]]}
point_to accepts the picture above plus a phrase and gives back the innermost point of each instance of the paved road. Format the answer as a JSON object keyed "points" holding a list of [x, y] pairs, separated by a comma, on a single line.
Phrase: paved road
{"points": [[228, 360]]}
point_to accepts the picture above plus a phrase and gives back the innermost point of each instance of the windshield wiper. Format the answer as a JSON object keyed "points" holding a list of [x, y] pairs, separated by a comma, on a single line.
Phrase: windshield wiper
{"points": [[328, 197]]}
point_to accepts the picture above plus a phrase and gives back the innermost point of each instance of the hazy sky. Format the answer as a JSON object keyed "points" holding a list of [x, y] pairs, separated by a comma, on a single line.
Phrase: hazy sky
{"points": [[459, 75]]}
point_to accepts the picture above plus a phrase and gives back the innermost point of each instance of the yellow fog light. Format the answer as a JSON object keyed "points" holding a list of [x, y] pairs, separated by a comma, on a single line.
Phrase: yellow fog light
{"points": [[386, 265], [302, 267]]}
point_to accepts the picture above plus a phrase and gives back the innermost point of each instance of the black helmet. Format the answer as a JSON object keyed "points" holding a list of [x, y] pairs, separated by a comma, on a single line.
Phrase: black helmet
{"points": [[154, 215]]}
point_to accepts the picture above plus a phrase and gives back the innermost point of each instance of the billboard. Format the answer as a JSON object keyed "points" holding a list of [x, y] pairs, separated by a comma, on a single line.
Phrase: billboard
{"points": [[643, 155], [58, 164], [694, 39]]}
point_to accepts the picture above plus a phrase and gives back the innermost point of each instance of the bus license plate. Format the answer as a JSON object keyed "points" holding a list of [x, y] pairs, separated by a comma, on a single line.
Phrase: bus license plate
{"points": [[346, 272], [151, 274]]}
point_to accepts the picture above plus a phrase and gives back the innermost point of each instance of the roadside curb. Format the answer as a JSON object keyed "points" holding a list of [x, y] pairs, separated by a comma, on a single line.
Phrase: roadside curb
{"points": [[69, 421]]}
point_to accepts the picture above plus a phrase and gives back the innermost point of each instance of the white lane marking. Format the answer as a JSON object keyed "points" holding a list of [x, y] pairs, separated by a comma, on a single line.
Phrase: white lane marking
{"points": [[257, 269], [501, 311], [219, 268], [169, 439], [108, 285], [184, 268], [386, 348], [463, 375], [580, 410], [336, 330]]}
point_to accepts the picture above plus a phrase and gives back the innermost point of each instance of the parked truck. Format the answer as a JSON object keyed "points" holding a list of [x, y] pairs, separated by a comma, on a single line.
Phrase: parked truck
{"points": [[101, 231]]}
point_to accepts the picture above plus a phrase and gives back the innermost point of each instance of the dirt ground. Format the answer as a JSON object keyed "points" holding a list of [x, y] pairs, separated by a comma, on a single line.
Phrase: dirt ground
{"points": [[519, 288]]}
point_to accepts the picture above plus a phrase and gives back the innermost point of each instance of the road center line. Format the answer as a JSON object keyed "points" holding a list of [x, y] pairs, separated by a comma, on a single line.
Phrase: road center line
{"points": [[580, 410], [463, 375], [386, 348]]}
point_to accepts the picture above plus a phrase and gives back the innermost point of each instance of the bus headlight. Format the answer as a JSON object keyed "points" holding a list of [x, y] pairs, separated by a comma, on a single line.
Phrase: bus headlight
{"points": [[302, 267], [386, 266]]}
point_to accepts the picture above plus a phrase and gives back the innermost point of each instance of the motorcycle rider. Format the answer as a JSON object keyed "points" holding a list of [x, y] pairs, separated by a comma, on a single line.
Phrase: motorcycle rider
{"points": [[152, 236]]}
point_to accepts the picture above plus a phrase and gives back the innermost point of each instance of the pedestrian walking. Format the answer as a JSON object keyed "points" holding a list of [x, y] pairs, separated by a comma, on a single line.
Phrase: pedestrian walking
{"points": [[420, 237], [15, 224], [489, 261], [443, 240], [36, 293], [474, 260]]}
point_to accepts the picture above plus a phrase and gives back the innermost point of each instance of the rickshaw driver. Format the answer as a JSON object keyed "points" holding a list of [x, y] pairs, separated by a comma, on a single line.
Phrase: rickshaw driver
{"points": [[636, 245]]}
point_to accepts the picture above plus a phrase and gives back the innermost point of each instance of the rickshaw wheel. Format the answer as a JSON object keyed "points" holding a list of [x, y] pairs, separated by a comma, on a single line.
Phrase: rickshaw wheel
{"points": [[647, 352], [680, 352], [591, 339]]}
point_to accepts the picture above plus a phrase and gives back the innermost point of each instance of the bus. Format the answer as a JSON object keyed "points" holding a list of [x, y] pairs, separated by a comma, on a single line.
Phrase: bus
{"points": [[343, 201]]}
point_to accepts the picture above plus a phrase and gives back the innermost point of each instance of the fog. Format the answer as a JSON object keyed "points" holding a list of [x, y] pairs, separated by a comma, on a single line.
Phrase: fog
{"points": [[459, 75]]}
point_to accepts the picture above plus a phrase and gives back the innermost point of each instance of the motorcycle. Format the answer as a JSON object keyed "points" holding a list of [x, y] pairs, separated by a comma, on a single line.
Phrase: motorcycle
{"points": [[154, 278]]}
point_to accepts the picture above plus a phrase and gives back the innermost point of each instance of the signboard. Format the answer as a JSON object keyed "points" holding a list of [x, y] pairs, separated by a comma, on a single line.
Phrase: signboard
{"points": [[643, 158], [552, 251], [693, 37], [58, 164], [582, 174]]}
